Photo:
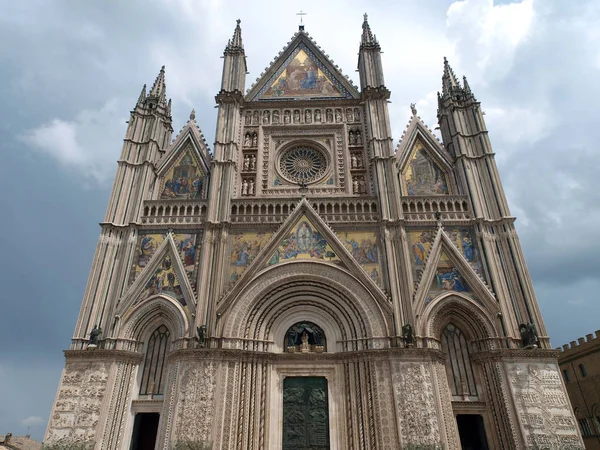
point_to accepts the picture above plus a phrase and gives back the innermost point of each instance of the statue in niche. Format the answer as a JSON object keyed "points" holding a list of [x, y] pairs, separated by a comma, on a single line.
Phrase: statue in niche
{"points": [[353, 161], [307, 116], [246, 162], [358, 138], [254, 140], [355, 187], [244, 187], [247, 140], [305, 337], [338, 115], [317, 115], [275, 117], [95, 336], [266, 117], [329, 115], [356, 115], [287, 117], [408, 335], [251, 187], [252, 162], [201, 336], [351, 140], [529, 336], [296, 116], [255, 118], [349, 115], [248, 119]]}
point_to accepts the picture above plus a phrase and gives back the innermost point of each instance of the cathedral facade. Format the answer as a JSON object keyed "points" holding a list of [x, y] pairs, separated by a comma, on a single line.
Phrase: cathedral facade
{"points": [[307, 286]]}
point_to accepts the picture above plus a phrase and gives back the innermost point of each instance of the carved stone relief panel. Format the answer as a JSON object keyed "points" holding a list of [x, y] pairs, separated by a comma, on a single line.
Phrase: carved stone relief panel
{"points": [[77, 409], [416, 404], [389, 430], [547, 420], [195, 403]]}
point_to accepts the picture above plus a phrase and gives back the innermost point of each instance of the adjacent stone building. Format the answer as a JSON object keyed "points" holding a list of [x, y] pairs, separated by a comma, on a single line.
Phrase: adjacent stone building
{"points": [[580, 365], [306, 285]]}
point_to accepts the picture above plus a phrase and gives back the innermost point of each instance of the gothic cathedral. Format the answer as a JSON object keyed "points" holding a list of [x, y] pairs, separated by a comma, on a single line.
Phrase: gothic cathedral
{"points": [[307, 286]]}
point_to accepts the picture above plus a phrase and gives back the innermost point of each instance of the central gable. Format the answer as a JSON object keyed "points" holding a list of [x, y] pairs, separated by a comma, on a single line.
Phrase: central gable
{"points": [[302, 72]]}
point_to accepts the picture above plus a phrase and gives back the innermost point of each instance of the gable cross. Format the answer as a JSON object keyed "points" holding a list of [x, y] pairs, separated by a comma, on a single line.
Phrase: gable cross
{"points": [[301, 14]]}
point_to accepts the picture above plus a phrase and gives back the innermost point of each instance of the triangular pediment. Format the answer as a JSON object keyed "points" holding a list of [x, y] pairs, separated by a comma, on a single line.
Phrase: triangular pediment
{"points": [[447, 269], [165, 275], [302, 72], [423, 163], [184, 170], [303, 236]]}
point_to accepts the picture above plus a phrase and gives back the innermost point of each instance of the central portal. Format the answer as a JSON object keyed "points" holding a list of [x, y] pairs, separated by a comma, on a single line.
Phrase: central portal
{"points": [[305, 413]]}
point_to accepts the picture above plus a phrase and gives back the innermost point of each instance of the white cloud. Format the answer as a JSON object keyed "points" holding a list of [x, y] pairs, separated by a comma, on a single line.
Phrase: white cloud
{"points": [[88, 145], [32, 421]]}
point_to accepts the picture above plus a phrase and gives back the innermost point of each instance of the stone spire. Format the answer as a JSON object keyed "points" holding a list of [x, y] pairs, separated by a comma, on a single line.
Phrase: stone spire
{"points": [[235, 43], [368, 39], [449, 80], [159, 88], [142, 96]]}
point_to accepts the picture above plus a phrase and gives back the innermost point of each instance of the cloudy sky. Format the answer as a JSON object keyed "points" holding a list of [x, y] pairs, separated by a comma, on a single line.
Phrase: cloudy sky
{"points": [[71, 71]]}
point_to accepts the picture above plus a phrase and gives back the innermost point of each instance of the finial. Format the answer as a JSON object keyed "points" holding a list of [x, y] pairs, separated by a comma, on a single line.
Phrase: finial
{"points": [[235, 43], [301, 14], [193, 115], [142, 96], [413, 109], [159, 88], [367, 38], [449, 80]]}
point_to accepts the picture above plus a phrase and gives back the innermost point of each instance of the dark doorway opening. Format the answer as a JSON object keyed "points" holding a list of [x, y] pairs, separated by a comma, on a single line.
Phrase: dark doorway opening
{"points": [[471, 432], [145, 428]]}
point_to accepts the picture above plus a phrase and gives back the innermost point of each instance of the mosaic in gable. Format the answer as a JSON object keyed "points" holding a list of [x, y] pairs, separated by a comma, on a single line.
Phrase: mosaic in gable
{"points": [[184, 180]]}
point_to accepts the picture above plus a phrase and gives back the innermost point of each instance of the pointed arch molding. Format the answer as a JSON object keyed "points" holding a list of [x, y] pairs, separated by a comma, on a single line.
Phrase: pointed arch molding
{"points": [[323, 293], [147, 315], [132, 296], [486, 304]]}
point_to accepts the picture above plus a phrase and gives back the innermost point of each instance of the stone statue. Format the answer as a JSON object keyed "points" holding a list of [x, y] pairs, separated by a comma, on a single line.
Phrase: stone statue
{"points": [[413, 109], [275, 117], [266, 117], [95, 336], [529, 337], [356, 115], [251, 187], [247, 140], [248, 119], [351, 139], [246, 162], [358, 138], [287, 117], [355, 187], [349, 115], [307, 116], [254, 140], [255, 118], [252, 162], [305, 346], [338, 115], [329, 116], [244, 187], [317, 115], [408, 335], [353, 161], [296, 116], [201, 336]]}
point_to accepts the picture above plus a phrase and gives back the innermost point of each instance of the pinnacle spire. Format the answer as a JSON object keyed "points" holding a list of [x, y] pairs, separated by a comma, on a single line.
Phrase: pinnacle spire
{"points": [[235, 43], [142, 96], [449, 80], [159, 88], [368, 39]]}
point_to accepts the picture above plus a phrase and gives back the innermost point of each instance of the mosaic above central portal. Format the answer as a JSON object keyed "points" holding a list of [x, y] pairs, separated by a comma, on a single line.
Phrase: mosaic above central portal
{"points": [[302, 77]]}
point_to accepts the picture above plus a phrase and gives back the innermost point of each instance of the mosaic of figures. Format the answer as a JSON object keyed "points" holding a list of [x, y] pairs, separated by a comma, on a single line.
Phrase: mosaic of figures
{"points": [[297, 116], [422, 175], [244, 248], [184, 179], [364, 247], [302, 75], [164, 281], [303, 242], [188, 247], [447, 276]]}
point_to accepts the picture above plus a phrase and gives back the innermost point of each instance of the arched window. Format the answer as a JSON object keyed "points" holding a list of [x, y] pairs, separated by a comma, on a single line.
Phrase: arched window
{"points": [[461, 376], [153, 376]]}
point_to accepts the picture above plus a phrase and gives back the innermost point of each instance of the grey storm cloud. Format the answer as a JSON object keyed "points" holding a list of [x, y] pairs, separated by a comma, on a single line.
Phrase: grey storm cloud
{"points": [[72, 70]]}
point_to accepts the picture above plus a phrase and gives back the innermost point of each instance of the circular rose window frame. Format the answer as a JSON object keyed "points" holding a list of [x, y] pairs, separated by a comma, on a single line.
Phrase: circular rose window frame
{"points": [[303, 161]]}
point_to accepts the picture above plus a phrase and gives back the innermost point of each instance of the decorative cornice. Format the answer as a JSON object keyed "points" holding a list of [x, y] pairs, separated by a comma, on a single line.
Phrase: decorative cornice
{"points": [[504, 354], [229, 97], [102, 354], [375, 93]]}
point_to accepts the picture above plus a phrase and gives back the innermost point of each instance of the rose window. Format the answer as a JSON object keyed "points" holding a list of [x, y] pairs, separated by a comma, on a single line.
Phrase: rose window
{"points": [[303, 164]]}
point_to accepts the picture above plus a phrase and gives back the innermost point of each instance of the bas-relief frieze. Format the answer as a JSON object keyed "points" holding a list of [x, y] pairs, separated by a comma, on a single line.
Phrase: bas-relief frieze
{"points": [[416, 404], [195, 402], [542, 406], [77, 409]]}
